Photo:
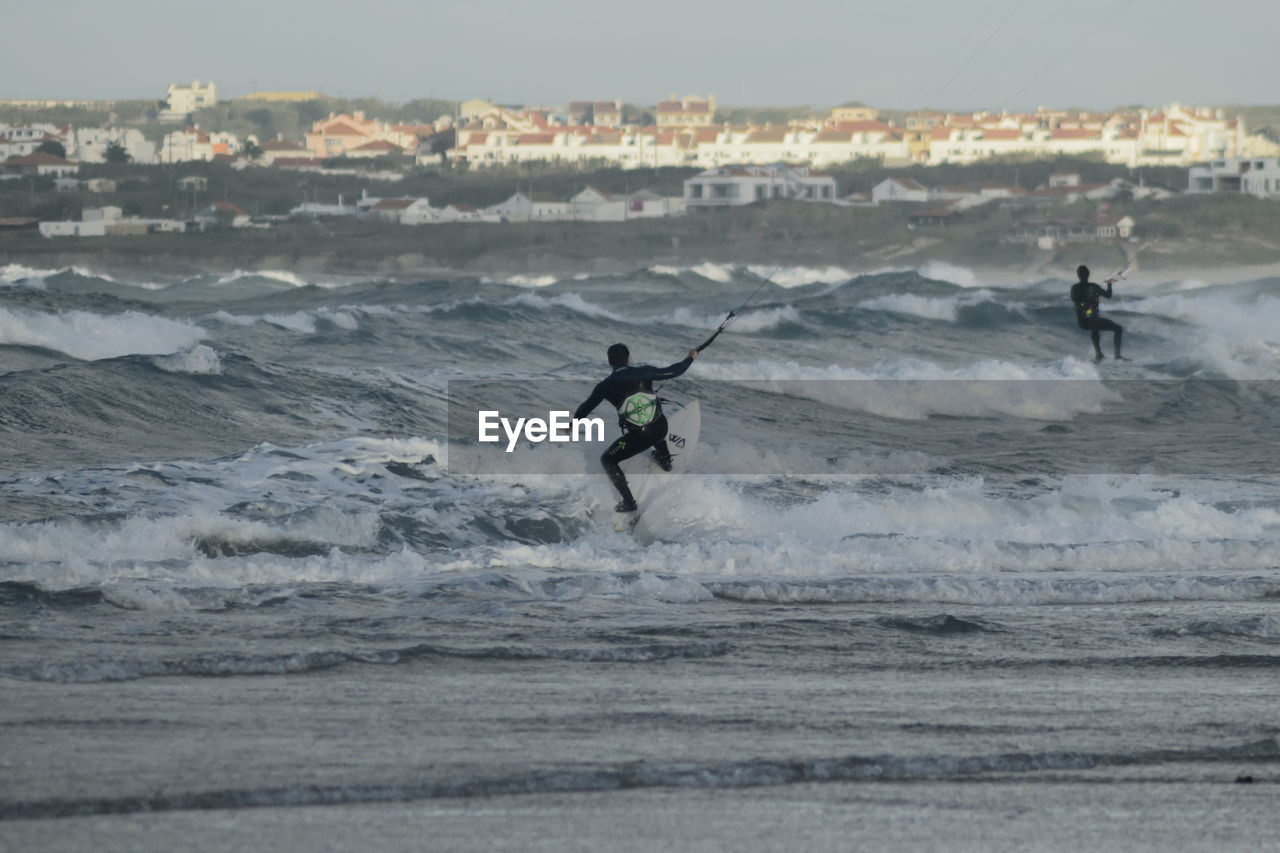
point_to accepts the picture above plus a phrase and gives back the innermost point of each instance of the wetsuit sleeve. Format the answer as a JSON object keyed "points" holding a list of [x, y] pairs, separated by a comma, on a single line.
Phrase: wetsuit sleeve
{"points": [[669, 372], [596, 398], [1098, 291]]}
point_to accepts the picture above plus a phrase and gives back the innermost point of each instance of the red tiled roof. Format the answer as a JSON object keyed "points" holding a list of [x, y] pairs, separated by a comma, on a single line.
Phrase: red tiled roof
{"points": [[378, 145], [670, 107], [605, 107], [770, 135], [1001, 133], [341, 128], [535, 139], [394, 204], [708, 134], [831, 135]]}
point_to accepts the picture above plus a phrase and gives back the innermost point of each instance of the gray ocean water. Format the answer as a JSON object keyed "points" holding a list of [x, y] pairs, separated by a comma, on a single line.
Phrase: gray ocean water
{"points": [[932, 579]]}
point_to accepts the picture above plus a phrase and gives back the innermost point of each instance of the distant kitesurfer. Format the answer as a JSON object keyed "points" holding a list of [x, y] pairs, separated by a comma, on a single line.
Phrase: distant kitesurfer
{"points": [[1084, 296], [644, 426]]}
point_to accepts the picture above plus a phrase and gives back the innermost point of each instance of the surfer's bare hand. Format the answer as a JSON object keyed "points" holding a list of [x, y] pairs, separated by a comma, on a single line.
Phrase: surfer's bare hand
{"points": [[693, 354]]}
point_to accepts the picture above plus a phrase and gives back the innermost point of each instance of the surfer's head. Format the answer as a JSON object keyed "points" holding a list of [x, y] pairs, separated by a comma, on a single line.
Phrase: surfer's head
{"points": [[1082, 272], [619, 355]]}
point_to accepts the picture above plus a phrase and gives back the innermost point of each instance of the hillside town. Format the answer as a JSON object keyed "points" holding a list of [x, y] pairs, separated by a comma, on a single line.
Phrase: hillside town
{"points": [[739, 164]]}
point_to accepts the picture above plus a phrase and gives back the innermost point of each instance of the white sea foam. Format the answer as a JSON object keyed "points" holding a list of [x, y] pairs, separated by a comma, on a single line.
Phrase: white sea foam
{"points": [[943, 271], [522, 280], [200, 359], [755, 320], [94, 336], [881, 390], [800, 276], [24, 275], [944, 308], [1257, 318], [571, 301], [303, 322], [282, 276]]}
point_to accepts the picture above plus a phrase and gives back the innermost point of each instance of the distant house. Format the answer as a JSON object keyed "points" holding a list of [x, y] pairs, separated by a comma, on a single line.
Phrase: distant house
{"points": [[181, 100], [192, 182], [376, 148], [338, 135], [221, 214], [531, 206], [610, 207], [192, 143], [606, 114], [405, 211], [94, 228], [1257, 177], [40, 163], [899, 190], [275, 149], [1054, 232], [689, 111], [732, 186]]}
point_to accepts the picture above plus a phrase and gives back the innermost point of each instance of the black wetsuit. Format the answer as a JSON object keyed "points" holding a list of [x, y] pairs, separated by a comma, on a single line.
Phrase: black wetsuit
{"points": [[630, 390], [1084, 296]]}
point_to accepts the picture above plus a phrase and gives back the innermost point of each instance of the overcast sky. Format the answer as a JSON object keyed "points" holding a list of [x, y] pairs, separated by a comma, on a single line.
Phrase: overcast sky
{"points": [[892, 54]]}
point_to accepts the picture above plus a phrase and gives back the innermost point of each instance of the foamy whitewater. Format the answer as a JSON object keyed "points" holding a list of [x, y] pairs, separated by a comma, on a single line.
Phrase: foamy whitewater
{"points": [[933, 579]]}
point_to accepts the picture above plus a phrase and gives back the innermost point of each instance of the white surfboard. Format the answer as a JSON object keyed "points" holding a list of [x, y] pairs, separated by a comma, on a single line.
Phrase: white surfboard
{"points": [[646, 479]]}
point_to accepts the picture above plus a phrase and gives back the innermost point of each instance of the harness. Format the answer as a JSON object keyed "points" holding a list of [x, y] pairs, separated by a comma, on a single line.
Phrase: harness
{"points": [[639, 409]]}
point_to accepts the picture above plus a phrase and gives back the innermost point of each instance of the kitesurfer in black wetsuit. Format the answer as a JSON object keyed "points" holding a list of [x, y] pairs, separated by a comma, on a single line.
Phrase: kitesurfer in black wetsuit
{"points": [[630, 390], [1084, 296]]}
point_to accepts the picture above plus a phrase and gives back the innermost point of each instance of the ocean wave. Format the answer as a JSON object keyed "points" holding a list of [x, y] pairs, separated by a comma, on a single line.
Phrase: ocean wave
{"points": [[91, 336], [912, 389], [572, 302], [200, 360], [800, 276], [943, 308], [950, 273], [730, 774], [753, 320], [303, 322], [283, 276]]}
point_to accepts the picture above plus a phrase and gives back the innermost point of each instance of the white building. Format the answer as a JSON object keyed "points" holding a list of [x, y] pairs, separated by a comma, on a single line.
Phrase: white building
{"points": [[184, 100], [220, 214], [89, 144], [530, 207], [93, 228], [404, 211], [733, 186], [592, 204], [899, 189], [1256, 177], [192, 143]]}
